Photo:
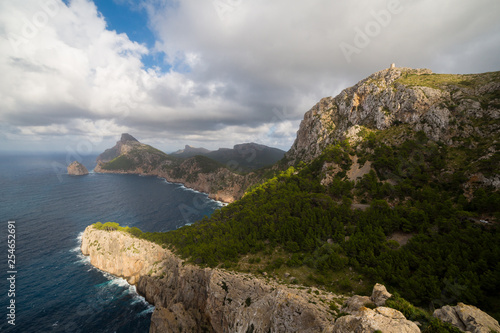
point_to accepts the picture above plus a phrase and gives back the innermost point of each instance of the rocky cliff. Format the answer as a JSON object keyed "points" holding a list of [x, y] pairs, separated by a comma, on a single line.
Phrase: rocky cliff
{"points": [[122, 255], [123, 146], [189, 298], [467, 318], [461, 112], [193, 299], [219, 181], [77, 169], [446, 107]]}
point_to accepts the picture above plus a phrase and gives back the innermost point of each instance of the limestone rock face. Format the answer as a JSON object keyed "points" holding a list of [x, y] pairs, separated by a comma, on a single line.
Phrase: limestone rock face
{"points": [[123, 146], [363, 319], [467, 318], [355, 303], [384, 319], [77, 169], [120, 254], [221, 184], [442, 110], [380, 295], [188, 298], [219, 301]]}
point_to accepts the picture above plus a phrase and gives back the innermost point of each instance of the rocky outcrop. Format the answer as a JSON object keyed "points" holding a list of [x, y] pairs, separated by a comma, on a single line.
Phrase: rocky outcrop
{"points": [[77, 169], [120, 254], [123, 146], [188, 298], [365, 316], [445, 107], [380, 295], [355, 303], [204, 175], [384, 319], [467, 318], [211, 300]]}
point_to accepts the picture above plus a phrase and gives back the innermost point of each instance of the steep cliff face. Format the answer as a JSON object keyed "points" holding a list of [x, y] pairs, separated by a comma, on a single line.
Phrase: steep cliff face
{"points": [[77, 169], [193, 299], [124, 145], [122, 255], [208, 176], [447, 108], [189, 298]]}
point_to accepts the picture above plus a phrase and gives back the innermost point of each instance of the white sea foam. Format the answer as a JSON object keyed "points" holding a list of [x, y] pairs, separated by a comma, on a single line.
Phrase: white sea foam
{"points": [[183, 187], [81, 258], [128, 289], [149, 310], [117, 283]]}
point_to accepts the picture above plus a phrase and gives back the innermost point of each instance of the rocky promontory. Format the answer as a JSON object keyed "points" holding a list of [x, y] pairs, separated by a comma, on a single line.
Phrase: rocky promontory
{"points": [[200, 173], [77, 169], [121, 254], [190, 298]]}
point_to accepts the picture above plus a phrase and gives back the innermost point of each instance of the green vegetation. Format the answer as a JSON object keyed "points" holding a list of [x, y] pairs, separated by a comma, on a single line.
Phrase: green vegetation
{"points": [[122, 162], [440, 81], [139, 156], [425, 318], [292, 223], [203, 165]]}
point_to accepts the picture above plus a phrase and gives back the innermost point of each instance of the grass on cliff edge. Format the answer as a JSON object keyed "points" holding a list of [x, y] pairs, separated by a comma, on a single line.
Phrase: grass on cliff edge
{"points": [[114, 226], [440, 81]]}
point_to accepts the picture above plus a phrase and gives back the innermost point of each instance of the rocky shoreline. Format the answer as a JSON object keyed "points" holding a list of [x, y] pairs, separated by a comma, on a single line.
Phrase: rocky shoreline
{"points": [[226, 196], [188, 298]]}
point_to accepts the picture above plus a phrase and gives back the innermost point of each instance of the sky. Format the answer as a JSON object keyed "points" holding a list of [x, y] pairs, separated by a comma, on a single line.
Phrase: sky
{"points": [[76, 74]]}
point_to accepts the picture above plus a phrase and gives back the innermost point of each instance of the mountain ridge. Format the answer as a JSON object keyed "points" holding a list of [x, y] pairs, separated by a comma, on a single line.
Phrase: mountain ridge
{"points": [[224, 181], [243, 157]]}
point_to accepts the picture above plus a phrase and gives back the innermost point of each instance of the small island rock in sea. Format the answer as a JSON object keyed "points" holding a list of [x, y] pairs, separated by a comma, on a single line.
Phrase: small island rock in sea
{"points": [[77, 169]]}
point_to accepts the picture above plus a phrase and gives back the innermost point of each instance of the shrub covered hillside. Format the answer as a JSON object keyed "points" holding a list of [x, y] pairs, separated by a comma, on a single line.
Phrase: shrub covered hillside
{"points": [[419, 235], [395, 180]]}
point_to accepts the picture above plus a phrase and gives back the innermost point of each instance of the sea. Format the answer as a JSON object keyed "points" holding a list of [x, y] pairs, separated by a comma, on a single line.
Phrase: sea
{"points": [[53, 286]]}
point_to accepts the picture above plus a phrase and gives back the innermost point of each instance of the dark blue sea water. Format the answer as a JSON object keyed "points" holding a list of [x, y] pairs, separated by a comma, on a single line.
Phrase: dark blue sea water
{"points": [[56, 288]]}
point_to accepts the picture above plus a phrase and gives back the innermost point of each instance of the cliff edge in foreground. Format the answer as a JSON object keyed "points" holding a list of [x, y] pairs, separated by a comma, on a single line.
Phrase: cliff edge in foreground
{"points": [[193, 299]]}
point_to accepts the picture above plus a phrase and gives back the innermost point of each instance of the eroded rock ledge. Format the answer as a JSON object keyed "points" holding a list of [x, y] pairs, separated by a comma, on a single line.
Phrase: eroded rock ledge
{"points": [[193, 299], [189, 298]]}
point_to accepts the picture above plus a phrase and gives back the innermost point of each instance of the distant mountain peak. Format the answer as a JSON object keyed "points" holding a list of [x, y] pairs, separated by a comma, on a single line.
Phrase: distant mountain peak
{"points": [[190, 151], [127, 137]]}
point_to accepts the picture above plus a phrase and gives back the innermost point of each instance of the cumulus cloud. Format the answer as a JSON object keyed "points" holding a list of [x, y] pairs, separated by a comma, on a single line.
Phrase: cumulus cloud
{"points": [[240, 70]]}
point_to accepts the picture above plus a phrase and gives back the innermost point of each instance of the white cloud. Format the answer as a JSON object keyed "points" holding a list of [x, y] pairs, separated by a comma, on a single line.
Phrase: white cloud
{"points": [[241, 70]]}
